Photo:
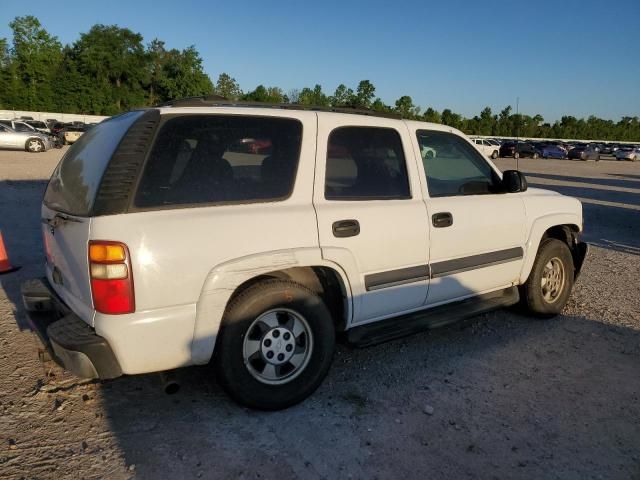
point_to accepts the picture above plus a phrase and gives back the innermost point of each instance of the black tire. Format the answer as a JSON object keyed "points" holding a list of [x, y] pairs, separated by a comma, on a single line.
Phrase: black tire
{"points": [[516, 155], [494, 155], [232, 372], [535, 155], [531, 293]]}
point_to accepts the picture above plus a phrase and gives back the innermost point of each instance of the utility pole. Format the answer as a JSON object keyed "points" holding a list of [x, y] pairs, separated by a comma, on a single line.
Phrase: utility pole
{"points": [[517, 129]]}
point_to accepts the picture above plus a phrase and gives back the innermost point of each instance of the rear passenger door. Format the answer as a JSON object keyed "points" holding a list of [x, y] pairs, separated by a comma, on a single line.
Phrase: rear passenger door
{"points": [[371, 217]]}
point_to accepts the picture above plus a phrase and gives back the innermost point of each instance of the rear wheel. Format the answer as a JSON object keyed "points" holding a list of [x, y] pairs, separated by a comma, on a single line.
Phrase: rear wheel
{"points": [[34, 145], [547, 290], [494, 155], [535, 155], [275, 346], [516, 155]]}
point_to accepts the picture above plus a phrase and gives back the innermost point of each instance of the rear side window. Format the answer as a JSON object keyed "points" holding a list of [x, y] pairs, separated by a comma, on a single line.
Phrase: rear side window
{"points": [[73, 185], [212, 159], [365, 163]]}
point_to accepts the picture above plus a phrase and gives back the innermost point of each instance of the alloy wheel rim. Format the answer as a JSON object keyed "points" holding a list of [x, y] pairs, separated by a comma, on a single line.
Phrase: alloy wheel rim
{"points": [[553, 280], [277, 346]]}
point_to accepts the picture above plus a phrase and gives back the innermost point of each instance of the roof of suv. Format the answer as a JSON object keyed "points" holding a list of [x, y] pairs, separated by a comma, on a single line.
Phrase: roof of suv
{"points": [[218, 101], [214, 103]]}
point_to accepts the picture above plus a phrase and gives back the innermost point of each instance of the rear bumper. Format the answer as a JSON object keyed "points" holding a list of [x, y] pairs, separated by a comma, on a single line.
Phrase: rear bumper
{"points": [[70, 341]]}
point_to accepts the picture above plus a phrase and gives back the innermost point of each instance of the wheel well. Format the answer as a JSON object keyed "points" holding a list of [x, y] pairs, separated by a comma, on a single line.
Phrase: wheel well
{"points": [[324, 281], [565, 233], [569, 234]]}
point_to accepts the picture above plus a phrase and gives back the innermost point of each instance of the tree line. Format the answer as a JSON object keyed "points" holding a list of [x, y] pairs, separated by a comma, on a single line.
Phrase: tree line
{"points": [[109, 70]]}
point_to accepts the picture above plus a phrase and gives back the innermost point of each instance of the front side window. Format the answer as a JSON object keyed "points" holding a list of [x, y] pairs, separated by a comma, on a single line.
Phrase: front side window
{"points": [[453, 167], [217, 159], [365, 163]]}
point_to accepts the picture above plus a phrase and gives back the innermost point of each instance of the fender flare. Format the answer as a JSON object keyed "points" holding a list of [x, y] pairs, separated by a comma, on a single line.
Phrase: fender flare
{"points": [[538, 228], [223, 280]]}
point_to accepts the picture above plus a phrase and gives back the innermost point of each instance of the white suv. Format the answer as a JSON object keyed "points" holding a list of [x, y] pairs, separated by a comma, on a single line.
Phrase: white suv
{"points": [[249, 235], [490, 148]]}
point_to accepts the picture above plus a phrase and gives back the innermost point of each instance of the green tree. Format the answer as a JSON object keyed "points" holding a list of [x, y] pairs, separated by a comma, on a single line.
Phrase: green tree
{"points": [[406, 108], [379, 106], [342, 97], [116, 59], [504, 124], [264, 94], [486, 122], [364, 95], [180, 74], [228, 87], [314, 97], [431, 115], [452, 119], [35, 57]]}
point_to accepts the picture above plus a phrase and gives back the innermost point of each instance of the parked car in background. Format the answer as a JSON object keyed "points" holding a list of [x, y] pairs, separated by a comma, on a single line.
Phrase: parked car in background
{"points": [[584, 152], [606, 149], [552, 151], [518, 149], [486, 147], [18, 125], [71, 134], [31, 140], [628, 153], [57, 127], [40, 126]]}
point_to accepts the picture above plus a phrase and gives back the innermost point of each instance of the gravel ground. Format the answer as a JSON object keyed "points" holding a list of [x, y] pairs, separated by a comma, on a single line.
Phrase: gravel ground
{"points": [[499, 396]]}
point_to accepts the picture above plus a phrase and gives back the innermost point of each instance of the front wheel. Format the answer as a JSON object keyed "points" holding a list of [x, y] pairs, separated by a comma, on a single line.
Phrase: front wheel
{"points": [[275, 345], [516, 155], [494, 155], [547, 290], [35, 145], [535, 155]]}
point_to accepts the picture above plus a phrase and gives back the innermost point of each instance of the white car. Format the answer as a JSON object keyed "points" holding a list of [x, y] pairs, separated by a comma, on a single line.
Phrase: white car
{"points": [[488, 147], [628, 153], [39, 126], [168, 244], [29, 140]]}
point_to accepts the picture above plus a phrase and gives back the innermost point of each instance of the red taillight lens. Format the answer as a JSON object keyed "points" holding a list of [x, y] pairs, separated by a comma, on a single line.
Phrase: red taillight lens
{"points": [[111, 277]]}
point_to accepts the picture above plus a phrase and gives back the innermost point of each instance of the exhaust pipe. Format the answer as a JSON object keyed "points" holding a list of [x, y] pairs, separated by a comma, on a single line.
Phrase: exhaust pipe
{"points": [[169, 383]]}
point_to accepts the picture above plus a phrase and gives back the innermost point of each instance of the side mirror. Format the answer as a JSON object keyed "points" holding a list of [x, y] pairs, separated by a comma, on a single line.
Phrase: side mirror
{"points": [[513, 181]]}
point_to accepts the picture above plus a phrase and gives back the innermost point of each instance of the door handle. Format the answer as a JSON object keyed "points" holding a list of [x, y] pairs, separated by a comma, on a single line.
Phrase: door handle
{"points": [[442, 219], [346, 228]]}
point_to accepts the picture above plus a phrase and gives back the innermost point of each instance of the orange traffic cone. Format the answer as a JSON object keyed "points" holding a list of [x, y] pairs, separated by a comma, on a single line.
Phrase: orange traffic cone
{"points": [[5, 265]]}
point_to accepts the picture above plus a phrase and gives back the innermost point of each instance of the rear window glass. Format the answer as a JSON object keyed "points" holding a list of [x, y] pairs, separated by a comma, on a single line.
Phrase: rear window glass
{"points": [[74, 183], [365, 163], [211, 159]]}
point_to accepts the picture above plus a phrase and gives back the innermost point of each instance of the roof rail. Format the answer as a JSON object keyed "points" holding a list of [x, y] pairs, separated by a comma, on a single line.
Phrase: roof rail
{"points": [[218, 101]]}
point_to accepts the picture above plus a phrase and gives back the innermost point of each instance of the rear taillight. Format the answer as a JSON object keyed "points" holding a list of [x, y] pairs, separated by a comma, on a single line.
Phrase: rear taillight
{"points": [[111, 277]]}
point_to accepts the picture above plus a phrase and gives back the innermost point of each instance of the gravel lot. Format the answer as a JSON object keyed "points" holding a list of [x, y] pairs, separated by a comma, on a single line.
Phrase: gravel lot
{"points": [[499, 396]]}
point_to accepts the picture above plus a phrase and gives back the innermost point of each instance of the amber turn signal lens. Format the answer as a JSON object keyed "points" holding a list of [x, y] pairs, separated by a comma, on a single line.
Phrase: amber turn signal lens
{"points": [[106, 253]]}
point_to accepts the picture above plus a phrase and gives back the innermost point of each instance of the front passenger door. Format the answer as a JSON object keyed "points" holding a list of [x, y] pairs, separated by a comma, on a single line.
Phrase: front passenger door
{"points": [[477, 233]]}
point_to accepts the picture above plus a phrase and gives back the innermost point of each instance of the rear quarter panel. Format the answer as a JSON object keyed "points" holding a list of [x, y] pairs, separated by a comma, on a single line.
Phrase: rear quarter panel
{"points": [[173, 251]]}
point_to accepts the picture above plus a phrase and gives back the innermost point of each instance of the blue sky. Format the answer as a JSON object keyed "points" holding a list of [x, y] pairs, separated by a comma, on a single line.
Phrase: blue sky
{"points": [[559, 57]]}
